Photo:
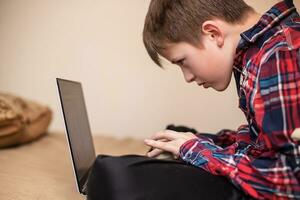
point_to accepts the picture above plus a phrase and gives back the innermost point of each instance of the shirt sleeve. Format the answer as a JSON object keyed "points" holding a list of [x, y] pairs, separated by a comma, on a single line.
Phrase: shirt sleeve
{"points": [[227, 137], [216, 157], [199, 152]]}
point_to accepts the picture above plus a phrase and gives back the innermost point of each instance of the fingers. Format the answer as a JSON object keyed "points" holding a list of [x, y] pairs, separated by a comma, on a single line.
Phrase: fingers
{"points": [[154, 152], [164, 140], [168, 140], [151, 149], [160, 145], [166, 134]]}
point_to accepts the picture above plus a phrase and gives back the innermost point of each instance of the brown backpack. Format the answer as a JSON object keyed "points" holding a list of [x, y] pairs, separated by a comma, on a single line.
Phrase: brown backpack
{"points": [[21, 120]]}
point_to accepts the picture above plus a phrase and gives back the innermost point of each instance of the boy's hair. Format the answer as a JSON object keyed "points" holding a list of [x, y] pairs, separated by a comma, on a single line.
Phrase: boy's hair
{"points": [[172, 21]]}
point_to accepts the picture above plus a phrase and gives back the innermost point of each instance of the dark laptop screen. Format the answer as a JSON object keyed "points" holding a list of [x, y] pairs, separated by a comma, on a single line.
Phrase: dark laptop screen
{"points": [[77, 127]]}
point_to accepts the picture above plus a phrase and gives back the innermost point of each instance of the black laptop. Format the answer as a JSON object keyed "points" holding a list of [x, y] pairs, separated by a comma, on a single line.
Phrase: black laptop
{"points": [[78, 130]]}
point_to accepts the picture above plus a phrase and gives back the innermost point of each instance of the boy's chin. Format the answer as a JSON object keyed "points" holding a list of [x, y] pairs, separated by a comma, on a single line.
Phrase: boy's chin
{"points": [[220, 88]]}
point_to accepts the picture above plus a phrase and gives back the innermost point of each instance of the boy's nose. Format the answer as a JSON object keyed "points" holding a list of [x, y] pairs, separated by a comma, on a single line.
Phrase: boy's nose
{"points": [[189, 77]]}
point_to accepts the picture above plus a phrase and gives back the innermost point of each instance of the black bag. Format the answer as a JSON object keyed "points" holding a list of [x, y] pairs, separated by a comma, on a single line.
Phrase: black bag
{"points": [[134, 177]]}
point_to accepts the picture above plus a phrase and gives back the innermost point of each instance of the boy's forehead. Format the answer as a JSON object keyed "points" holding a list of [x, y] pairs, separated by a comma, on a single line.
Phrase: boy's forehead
{"points": [[165, 53], [171, 49]]}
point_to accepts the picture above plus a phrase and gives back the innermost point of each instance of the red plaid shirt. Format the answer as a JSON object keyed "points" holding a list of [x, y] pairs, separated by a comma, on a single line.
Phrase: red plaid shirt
{"points": [[261, 158]]}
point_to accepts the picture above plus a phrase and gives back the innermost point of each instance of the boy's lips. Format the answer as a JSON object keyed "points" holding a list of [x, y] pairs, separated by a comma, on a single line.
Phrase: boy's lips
{"points": [[204, 84], [200, 84]]}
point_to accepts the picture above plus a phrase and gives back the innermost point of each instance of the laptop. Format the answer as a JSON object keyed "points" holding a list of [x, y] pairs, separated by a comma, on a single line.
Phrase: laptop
{"points": [[78, 131]]}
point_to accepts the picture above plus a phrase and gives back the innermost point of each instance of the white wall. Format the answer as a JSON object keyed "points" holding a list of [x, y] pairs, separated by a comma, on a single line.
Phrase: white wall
{"points": [[100, 44]]}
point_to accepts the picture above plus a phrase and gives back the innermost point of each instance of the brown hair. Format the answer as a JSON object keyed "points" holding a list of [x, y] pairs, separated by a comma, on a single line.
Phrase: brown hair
{"points": [[171, 21]]}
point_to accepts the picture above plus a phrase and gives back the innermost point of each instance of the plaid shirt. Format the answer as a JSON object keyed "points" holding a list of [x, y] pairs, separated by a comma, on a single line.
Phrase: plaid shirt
{"points": [[261, 158]]}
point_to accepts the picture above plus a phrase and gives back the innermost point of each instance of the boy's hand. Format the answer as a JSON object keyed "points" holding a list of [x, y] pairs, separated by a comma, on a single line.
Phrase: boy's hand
{"points": [[168, 140]]}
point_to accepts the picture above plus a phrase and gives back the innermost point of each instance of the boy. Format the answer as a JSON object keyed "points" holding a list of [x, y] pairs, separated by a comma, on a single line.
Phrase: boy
{"points": [[211, 39]]}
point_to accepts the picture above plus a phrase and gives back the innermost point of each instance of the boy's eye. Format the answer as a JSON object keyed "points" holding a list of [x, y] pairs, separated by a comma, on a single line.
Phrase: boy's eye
{"points": [[180, 62]]}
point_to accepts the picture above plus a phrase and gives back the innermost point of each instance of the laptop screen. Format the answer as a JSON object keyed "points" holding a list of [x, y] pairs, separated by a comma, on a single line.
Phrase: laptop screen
{"points": [[77, 128]]}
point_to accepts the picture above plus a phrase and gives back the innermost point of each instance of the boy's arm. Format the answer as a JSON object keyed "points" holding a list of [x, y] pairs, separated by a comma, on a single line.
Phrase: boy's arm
{"points": [[226, 137], [213, 155]]}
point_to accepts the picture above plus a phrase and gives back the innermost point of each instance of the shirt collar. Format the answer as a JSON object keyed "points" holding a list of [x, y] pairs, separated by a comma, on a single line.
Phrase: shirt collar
{"points": [[278, 12]]}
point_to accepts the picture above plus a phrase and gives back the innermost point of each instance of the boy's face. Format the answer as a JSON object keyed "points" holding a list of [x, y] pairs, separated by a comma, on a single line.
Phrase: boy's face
{"points": [[209, 65]]}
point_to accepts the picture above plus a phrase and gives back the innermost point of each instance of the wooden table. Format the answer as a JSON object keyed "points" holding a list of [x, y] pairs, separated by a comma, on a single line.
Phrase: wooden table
{"points": [[42, 170]]}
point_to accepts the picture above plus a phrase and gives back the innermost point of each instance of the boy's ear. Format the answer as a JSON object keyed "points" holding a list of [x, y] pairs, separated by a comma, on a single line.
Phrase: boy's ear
{"points": [[213, 31]]}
